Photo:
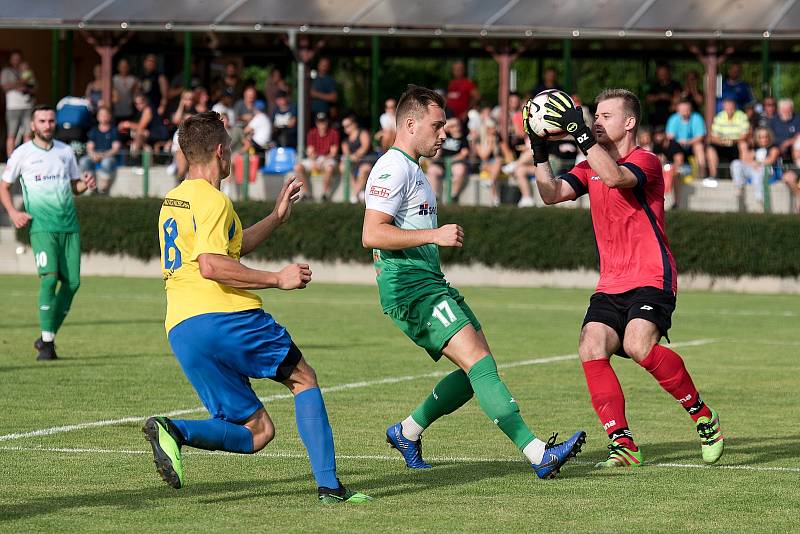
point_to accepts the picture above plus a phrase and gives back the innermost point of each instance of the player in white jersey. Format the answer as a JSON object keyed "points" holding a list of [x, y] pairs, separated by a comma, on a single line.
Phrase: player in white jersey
{"points": [[401, 225], [49, 176]]}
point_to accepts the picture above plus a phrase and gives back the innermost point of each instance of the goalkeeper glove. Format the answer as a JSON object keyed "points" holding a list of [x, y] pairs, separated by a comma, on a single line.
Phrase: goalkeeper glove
{"points": [[563, 114]]}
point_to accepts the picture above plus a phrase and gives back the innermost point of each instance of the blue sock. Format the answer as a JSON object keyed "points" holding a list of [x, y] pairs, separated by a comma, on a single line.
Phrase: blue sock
{"points": [[215, 435], [317, 436]]}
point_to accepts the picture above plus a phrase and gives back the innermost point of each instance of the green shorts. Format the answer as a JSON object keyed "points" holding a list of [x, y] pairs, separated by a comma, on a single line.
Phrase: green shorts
{"points": [[431, 319], [57, 252]]}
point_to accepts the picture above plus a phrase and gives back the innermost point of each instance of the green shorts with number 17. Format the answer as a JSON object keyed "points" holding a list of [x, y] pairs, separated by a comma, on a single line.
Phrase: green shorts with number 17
{"points": [[431, 319]]}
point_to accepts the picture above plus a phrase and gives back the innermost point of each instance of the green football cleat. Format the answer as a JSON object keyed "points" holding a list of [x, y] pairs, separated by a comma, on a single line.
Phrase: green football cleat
{"points": [[621, 456], [342, 494], [165, 440], [712, 442]]}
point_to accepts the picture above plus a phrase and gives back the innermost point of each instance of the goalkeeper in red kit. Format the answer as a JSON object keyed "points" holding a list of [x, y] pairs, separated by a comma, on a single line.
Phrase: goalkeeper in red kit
{"points": [[635, 298]]}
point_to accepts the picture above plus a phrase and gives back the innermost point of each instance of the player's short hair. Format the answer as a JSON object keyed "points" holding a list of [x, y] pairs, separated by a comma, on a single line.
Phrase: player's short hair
{"points": [[630, 103], [199, 135], [415, 102], [42, 107]]}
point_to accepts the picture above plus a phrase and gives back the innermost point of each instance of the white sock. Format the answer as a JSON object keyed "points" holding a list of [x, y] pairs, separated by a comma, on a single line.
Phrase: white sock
{"points": [[48, 336], [534, 451], [412, 431]]}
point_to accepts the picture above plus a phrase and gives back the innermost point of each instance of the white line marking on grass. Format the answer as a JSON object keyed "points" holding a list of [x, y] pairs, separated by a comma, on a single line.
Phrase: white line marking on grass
{"points": [[280, 396], [387, 458]]}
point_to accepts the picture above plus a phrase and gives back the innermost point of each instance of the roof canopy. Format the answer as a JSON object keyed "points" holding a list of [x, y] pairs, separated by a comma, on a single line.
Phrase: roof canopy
{"points": [[642, 19]]}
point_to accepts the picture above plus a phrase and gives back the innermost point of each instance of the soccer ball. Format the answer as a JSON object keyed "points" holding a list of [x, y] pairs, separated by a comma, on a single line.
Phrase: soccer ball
{"points": [[536, 113]]}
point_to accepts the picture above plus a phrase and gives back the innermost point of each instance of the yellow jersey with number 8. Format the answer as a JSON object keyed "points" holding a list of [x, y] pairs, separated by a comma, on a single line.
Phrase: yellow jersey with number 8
{"points": [[196, 218]]}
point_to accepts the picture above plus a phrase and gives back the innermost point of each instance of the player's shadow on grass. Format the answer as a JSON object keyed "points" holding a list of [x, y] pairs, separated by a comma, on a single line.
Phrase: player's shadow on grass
{"points": [[96, 322], [749, 450], [153, 497]]}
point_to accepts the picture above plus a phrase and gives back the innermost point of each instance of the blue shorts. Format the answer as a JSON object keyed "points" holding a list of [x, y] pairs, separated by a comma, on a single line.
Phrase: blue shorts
{"points": [[220, 352]]}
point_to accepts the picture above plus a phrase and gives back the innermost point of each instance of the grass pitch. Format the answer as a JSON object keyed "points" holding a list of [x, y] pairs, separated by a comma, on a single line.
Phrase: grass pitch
{"points": [[95, 473]]}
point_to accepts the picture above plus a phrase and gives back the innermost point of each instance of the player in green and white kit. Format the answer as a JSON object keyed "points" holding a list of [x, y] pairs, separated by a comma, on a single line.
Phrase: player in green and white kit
{"points": [[400, 224], [50, 177]]}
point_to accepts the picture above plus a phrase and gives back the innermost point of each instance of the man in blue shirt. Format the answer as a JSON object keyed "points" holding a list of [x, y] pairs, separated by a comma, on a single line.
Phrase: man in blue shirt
{"points": [[735, 88], [687, 128], [284, 121], [785, 126], [102, 150], [323, 88]]}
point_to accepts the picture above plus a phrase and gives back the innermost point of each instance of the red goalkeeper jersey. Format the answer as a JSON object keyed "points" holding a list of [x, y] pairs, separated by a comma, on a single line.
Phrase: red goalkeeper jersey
{"points": [[629, 225]]}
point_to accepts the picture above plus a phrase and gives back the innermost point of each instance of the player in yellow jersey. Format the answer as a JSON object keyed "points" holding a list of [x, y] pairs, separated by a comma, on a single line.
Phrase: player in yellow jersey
{"points": [[217, 329]]}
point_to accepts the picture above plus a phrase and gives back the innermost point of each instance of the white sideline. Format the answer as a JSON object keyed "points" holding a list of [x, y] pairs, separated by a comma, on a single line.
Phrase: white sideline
{"points": [[332, 389], [378, 457]]}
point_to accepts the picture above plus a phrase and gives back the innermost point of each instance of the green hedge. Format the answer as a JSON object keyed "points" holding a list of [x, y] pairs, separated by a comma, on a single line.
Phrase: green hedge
{"points": [[545, 239]]}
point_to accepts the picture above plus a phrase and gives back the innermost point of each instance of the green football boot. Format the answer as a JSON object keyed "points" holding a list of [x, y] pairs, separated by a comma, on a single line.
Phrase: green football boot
{"points": [[165, 440], [342, 494], [712, 442], [621, 456]]}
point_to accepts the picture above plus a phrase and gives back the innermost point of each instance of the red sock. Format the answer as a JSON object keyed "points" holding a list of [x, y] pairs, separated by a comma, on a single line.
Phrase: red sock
{"points": [[608, 400], [667, 367]]}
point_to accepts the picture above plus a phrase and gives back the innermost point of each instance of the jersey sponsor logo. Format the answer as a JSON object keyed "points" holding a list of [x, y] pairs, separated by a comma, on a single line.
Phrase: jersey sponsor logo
{"points": [[175, 203], [384, 176], [427, 209], [45, 177], [419, 183], [382, 192]]}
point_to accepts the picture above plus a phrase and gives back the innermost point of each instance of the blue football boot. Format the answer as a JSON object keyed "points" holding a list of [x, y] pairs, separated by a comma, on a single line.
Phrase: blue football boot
{"points": [[411, 450], [557, 454]]}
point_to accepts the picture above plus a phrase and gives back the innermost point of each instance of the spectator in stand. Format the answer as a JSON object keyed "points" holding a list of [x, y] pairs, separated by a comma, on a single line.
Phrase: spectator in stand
{"points": [[785, 127], [755, 161], [94, 90], [230, 82], [185, 108], [461, 92], [356, 147], [691, 90], [322, 150], [201, 99], [688, 129], [385, 137], [729, 133], [19, 102], [790, 177], [493, 153], [769, 109], [176, 86], [455, 147], [273, 85], [125, 85], [258, 132], [284, 121], [523, 169], [245, 108], [225, 106], [733, 87], [663, 95], [155, 85], [549, 81], [323, 89], [148, 129], [101, 151]]}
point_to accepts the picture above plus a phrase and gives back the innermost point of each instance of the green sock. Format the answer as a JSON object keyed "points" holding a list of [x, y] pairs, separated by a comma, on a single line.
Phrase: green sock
{"points": [[63, 301], [47, 302], [497, 403], [450, 394]]}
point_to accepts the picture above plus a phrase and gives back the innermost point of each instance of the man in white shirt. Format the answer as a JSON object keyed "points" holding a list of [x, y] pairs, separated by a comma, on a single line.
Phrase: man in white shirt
{"points": [[19, 100]]}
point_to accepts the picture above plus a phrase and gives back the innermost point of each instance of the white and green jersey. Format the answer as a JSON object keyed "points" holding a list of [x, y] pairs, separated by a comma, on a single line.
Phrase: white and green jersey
{"points": [[46, 177], [398, 187]]}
